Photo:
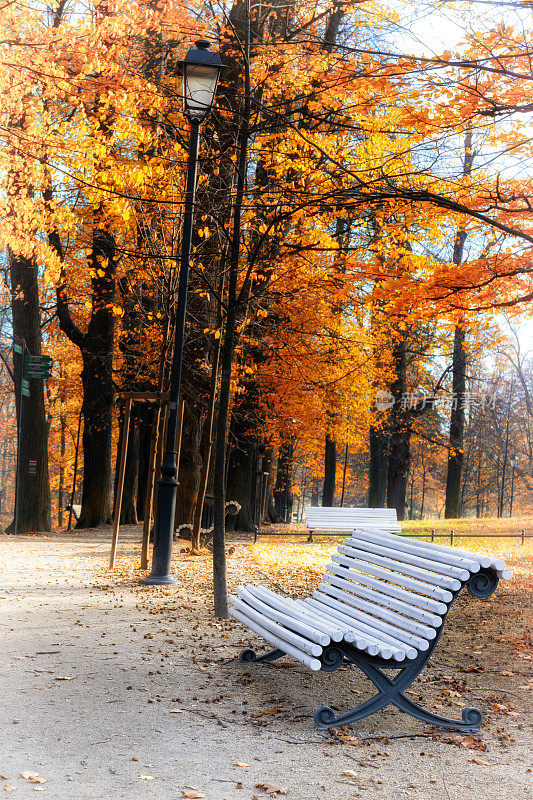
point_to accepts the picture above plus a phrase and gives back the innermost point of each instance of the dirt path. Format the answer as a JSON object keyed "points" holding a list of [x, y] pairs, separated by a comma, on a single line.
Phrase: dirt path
{"points": [[111, 690]]}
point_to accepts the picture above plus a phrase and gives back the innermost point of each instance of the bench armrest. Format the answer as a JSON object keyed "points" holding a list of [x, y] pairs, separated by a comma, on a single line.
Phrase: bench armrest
{"points": [[482, 583]]}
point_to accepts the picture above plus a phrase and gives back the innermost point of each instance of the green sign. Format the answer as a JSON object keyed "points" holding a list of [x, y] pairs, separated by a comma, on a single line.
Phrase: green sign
{"points": [[37, 367], [38, 361], [25, 389], [18, 349]]}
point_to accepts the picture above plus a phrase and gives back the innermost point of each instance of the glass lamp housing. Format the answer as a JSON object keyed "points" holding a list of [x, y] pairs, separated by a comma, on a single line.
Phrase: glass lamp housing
{"points": [[200, 70]]}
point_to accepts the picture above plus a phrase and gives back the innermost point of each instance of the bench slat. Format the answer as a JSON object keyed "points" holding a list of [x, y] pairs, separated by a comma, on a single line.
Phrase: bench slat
{"points": [[382, 625], [399, 543], [435, 566], [268, 636], [394, 577], [381, 600], [290, 607], [411, 598], [485, 561], [398, 651], [311, 648], [284, 619], [393, 617], [346, 627], [452, 584]]}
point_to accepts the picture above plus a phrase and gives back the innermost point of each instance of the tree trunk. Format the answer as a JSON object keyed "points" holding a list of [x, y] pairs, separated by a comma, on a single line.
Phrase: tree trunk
{"points": [[97, 380], [330, 467], [97, 412], [128, 509], [145, 432], [315, 486], [271, 514], [283, 486], [399, 468], [34, 505], [190, 463], [457, 416], [457, 421], [400, 436], [240, 484], [378, 467]]}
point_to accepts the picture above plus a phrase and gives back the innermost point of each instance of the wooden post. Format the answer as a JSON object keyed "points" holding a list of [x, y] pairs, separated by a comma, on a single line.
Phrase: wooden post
{"points": [[433, 534], [344, 474], [264, 487], [149, 501], [75, 475], [523, 535], [120, 485], [452, 532]]}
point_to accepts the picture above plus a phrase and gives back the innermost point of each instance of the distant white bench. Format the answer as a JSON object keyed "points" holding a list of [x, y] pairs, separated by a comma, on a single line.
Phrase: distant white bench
{"points": [[382, 604], [329, 519], [76, 510]]}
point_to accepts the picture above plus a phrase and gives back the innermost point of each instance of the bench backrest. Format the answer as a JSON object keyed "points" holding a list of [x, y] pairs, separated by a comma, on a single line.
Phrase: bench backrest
{"points": [[346, 519], [395, 585]]}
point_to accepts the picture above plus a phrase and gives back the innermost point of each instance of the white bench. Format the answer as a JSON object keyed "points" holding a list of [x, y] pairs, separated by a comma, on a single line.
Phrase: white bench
{"points": [[326, 518], [382, 603]]}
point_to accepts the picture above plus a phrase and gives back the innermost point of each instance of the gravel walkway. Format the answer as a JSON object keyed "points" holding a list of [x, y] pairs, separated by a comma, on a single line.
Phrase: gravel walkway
{"points": [[111, 690]]}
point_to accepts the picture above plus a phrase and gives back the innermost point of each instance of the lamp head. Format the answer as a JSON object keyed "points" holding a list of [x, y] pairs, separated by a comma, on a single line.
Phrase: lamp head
{"points": [[200, 70]]}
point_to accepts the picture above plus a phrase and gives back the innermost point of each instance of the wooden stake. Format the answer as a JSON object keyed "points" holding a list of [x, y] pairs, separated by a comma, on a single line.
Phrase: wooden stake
{"points": [[120, 486], [149, 502], [75, 473]]}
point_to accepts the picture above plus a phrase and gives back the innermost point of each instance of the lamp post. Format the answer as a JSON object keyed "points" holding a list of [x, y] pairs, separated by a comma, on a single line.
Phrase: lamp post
{"points": [[200, 70], [513, 465]]}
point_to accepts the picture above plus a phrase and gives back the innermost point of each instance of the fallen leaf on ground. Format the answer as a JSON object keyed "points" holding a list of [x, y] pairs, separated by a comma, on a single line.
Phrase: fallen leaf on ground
{"points": [[8, 788], [271, 789], [33, 777], [265, 711], [192, 795], [468, 742], [349, 773], [479, 761], [499, 708], [64, 678], [240, 764], [146, 777]]}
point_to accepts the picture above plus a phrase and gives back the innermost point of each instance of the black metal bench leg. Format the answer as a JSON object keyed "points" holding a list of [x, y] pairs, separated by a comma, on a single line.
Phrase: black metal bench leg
{"points": [[325, 717], [249, 656], [470, 722], [391, 690]]}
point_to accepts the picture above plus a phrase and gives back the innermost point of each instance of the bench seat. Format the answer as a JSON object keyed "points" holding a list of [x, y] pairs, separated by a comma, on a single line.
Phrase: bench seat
{"points": [[382, 602], [326, 518]]}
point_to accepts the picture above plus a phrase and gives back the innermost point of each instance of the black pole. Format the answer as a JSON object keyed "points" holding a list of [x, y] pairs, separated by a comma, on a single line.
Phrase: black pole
{"points": [[19, 432], [166, 503], [512, 493]]}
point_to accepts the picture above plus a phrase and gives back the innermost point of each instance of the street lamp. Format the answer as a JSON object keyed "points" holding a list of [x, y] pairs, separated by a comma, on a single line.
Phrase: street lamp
{"points": [[200, 70], [513, 465]]}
